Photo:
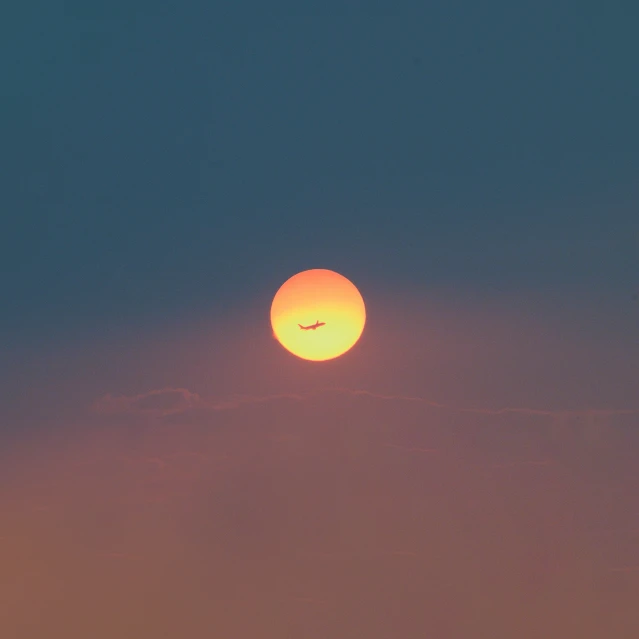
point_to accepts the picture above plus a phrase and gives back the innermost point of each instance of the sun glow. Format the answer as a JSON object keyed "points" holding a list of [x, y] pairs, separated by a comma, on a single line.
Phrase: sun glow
{"points": [[318, 315]]}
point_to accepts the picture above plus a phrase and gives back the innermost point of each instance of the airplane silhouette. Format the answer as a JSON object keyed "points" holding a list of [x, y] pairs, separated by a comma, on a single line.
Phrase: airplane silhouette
{"points": [[312, 327]]}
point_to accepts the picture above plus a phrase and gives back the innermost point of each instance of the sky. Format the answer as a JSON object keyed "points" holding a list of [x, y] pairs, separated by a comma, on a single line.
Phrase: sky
{"points": [[468, 469]]}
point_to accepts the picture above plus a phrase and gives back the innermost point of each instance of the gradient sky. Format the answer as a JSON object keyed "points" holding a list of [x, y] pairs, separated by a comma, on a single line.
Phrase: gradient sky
{"points": [[468, 469]]}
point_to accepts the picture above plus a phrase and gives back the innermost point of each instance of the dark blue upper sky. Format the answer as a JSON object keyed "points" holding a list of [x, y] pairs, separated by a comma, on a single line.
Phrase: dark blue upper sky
{"points": [[160, 157]]}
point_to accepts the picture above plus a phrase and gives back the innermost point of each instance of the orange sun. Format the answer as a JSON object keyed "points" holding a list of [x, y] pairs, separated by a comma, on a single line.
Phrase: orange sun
{"points": [[318, 315]]}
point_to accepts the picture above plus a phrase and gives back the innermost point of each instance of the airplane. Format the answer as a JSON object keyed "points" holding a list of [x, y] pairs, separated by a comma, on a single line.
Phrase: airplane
{"points": [[312, 327]]}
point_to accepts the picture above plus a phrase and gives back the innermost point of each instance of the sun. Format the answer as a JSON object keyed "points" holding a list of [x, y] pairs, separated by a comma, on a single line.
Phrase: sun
{"points": [[318, 315]]}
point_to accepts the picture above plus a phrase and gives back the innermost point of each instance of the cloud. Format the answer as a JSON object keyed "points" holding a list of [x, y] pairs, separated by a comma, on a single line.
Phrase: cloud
{"points": [[172, 401], [155, 403]]}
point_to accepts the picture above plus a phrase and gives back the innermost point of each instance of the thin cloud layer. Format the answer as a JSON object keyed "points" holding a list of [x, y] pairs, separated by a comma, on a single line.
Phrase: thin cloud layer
{"points": [[167, 402]]}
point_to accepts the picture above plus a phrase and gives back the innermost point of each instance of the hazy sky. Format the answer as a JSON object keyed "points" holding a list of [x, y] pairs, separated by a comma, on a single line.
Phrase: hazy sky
{"points": [[468, 469]]}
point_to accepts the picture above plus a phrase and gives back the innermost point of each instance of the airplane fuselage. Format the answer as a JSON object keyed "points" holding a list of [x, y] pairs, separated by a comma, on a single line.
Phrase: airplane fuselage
{"points": [[312, 327]]}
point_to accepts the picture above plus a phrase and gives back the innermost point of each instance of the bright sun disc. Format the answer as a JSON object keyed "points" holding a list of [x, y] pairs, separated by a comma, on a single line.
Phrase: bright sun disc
{"points": [[318, 315]]}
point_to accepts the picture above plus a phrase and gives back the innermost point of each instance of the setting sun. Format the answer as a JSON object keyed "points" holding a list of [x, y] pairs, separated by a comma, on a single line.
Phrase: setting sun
{"points": [[318, 315]]}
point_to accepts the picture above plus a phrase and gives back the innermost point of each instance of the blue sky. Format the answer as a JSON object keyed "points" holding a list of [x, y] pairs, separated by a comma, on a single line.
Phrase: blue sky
{"points": [[159, 158]]}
